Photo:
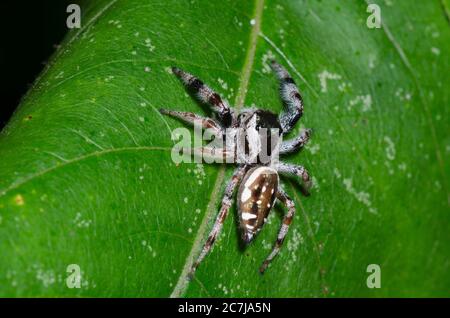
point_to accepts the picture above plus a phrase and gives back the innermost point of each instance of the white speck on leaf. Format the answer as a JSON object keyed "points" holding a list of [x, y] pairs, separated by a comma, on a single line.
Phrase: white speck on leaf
{"points": [[364, 100], [390, 149], [361, 196], [222, 83], [293, 245], [435, 51], [344, 87], [148, 43], [80, 222], [267, 57], [314, 148], [324, 77]]}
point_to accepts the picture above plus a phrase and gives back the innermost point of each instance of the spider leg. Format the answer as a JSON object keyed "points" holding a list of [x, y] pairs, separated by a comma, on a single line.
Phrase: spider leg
{"points": [[212, 154], [206, 95], [194, 119], [291, 98], [298, 171], [289, 203], [226, 204], [295, 144]]}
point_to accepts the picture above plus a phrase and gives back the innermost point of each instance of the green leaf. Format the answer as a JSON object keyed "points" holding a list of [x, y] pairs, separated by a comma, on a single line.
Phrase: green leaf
{"points": [[86, 175]]}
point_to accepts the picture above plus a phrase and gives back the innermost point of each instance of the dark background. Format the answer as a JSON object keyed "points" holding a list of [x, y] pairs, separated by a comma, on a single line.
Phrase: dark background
{"points": [[29, 32]]}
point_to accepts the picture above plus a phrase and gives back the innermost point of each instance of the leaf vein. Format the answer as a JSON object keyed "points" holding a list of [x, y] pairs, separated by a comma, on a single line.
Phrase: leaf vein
{"points": [[74, 160], [183, 280]]}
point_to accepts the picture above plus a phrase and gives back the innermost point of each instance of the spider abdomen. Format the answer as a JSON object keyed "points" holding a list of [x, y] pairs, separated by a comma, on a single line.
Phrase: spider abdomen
{"points": [[255, 198]]}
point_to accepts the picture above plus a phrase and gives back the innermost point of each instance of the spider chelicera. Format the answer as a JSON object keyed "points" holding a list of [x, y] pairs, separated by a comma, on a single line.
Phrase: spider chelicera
{"points": [[259, 182]]}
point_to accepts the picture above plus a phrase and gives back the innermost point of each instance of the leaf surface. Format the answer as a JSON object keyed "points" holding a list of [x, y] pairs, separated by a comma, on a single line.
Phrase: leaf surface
{"points": [[86, 175]]}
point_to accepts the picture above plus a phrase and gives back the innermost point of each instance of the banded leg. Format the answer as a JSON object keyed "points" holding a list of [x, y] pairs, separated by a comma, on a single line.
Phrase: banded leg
{"points": [[295, 144], [206, 95], [226, 204], [291, 98], [289, 203], [194, 119], [298, 171], [214, 155]]}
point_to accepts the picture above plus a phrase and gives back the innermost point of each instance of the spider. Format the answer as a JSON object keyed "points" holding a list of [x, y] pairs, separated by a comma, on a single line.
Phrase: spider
{"points": [[259, 185]]}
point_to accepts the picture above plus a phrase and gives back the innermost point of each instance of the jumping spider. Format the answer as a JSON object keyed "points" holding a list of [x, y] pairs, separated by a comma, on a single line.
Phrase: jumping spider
{"points": [[259, 183]]}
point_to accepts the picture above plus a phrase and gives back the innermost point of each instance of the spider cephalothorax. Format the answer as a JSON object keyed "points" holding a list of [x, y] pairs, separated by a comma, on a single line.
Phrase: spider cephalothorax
{"points": [[259, 180]]}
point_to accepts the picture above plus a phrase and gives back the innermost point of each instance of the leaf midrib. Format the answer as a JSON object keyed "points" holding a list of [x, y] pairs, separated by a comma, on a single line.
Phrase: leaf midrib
{"points": [[183, 280]]}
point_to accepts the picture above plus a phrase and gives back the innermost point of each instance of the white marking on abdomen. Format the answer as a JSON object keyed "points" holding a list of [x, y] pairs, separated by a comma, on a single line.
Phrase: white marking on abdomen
{"points": [[255, 174], [246, 194], [248, 216]]}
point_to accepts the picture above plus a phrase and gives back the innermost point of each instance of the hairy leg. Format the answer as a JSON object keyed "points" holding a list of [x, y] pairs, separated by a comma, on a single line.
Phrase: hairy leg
{"points": [[214, 155], [206, 95], [295, 170], [226, 204], [194, 119], [289, 203], [295, 144], [291, 98]]}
